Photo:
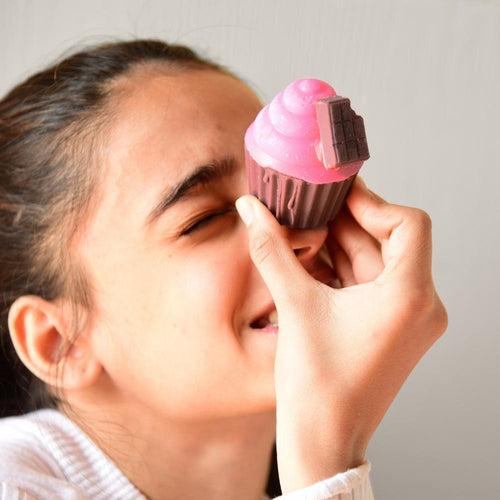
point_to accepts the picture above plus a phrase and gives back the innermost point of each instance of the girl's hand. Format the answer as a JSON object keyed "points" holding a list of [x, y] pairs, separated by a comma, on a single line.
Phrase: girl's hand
{"points": [[343, 354]]}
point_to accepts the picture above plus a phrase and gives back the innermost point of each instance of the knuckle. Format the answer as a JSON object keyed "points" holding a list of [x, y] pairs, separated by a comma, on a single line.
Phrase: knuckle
{"points": [[425, 307], [440, 319], [354, 250], [422, 219], [262, 246]]}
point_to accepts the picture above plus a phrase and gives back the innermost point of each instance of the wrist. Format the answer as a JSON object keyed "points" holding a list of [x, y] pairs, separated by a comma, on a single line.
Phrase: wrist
{"points": [[309, 459]]}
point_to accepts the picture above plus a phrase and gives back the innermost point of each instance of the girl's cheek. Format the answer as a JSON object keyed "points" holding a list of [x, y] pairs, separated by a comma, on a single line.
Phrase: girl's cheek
{"points": [[211, 277], [215, 278]]}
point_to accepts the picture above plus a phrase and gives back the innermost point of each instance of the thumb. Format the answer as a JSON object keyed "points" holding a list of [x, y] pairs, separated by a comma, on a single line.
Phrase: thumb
{"points": [[272, 254]]}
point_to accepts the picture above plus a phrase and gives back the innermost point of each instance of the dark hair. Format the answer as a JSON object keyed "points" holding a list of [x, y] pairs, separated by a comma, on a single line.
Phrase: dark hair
{"points": [[50, 130], [51, 127]]}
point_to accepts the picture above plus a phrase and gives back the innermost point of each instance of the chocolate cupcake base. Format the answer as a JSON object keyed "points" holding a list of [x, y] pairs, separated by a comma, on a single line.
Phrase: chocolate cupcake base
{"points": [[294, 202]]}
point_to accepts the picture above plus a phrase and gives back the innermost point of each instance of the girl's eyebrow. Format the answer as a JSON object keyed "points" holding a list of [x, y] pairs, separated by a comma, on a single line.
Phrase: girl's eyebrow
{"points": [[203, 176]]}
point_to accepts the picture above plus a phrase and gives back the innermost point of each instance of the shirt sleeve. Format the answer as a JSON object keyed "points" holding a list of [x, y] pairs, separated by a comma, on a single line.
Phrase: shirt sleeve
{"points": [[10, 492], [353, 484], [38, 487]]}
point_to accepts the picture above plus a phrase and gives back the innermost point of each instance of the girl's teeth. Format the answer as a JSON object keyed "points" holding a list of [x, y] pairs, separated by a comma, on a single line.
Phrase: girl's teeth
{"points": [[273, 318]]}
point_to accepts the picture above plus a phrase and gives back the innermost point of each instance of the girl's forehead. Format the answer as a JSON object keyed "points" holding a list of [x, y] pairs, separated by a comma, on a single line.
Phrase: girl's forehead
{"points": [[173, 116], [187, 96], [165, 125]]}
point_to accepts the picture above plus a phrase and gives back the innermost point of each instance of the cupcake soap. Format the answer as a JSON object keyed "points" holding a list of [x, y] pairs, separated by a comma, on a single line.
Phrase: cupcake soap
{"points": [[303, 151]]}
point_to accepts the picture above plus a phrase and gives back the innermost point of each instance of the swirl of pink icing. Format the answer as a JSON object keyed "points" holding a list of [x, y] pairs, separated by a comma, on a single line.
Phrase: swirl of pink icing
{"points": [[285, 134]]}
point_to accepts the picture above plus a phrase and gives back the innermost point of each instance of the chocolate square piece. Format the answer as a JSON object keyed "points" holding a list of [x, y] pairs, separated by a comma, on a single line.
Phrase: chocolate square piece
{"points": [[342, 132]]}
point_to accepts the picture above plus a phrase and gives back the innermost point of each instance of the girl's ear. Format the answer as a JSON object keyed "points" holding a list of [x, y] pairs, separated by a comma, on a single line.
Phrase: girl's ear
{"points": [[38, 331]]}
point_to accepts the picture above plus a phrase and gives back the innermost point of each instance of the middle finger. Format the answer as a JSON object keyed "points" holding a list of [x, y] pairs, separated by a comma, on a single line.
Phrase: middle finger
{"points": [[361, 248]]}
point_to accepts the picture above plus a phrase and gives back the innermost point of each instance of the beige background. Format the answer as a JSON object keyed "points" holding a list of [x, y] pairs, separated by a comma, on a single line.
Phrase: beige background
{"points": [[424, 75]]}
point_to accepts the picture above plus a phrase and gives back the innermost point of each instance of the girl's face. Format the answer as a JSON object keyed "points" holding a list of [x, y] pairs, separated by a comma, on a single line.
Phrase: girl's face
{"points": [[175, 286]]}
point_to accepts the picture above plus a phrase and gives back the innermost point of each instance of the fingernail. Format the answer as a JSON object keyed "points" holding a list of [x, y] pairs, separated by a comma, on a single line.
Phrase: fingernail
{"points": [[245, 210]]}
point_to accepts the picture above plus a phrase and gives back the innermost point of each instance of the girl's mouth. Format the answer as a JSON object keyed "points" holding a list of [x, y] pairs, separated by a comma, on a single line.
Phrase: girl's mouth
{"points": [[267, 323]]}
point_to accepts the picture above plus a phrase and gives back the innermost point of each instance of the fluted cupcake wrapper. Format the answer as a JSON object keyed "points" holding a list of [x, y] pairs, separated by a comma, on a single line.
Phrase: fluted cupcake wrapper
{"points": [[294, 202]]}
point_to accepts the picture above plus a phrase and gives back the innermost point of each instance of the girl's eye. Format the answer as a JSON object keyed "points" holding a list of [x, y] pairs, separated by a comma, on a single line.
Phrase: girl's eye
{"points": [[203, 221]]}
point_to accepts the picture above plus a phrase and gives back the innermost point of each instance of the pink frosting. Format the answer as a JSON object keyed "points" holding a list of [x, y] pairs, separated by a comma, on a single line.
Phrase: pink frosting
{"points": [[285, 134]]}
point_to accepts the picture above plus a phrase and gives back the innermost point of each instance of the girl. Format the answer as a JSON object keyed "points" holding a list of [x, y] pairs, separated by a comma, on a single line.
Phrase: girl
{"points": [[135, 289]]}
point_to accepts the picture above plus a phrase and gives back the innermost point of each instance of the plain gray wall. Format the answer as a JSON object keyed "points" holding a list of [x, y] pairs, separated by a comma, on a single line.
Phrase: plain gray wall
{"points": [[424, 75]]}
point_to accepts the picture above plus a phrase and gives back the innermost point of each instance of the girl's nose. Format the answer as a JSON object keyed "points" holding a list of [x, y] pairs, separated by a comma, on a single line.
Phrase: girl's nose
{"points": [[306, 243]]}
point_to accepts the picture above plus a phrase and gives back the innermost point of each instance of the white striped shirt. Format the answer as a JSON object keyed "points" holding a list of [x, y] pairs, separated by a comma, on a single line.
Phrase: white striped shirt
{"points": [[45, 455]]}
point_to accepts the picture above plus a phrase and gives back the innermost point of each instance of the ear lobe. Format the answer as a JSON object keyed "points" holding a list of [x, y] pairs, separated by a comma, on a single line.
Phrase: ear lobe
{"points": [[81, 368], [38, 333]]}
